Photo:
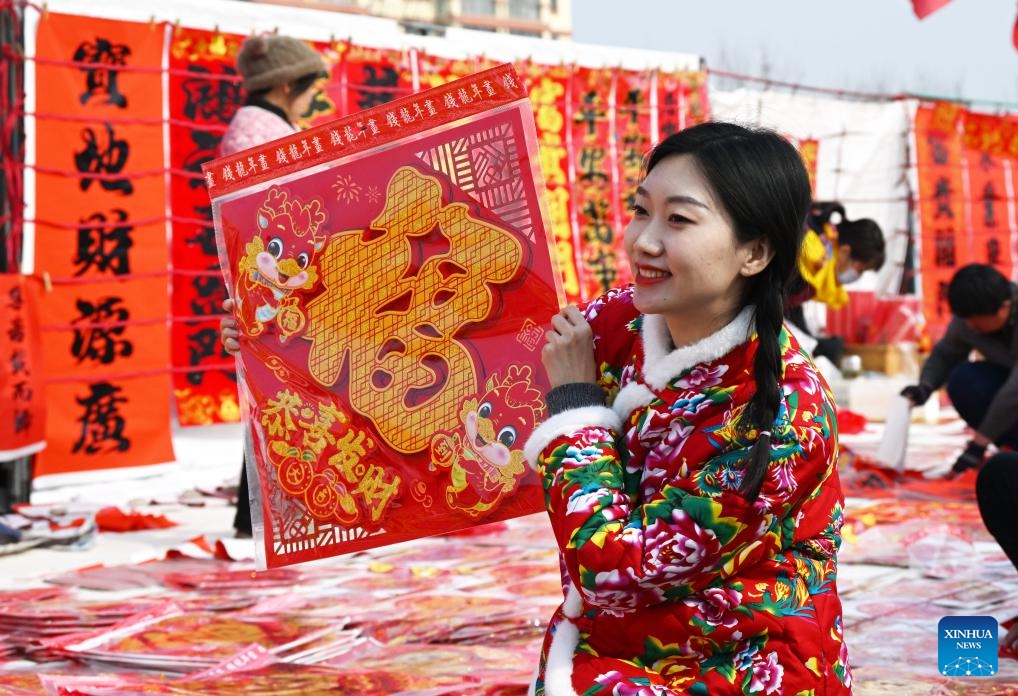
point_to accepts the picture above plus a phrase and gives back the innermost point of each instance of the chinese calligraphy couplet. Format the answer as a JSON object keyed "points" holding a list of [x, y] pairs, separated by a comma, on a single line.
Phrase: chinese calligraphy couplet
{"points": [[101, 236], [204, 94], [22, 405], [965, 164]]}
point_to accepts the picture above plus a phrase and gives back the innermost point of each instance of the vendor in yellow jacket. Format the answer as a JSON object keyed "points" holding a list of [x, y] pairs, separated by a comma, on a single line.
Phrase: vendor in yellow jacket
{"points": [[833, 255]]}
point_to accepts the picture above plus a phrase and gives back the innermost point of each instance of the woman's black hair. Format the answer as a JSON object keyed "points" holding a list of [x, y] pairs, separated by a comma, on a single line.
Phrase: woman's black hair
{"points": [[297, 87], [864, 237], [761, 182], [866, 241], [977, 290], [304, 83]]}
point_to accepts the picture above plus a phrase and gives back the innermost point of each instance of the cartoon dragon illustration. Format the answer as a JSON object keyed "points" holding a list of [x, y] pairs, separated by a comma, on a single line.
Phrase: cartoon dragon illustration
{"points": [[486, 462], [277, 262]]}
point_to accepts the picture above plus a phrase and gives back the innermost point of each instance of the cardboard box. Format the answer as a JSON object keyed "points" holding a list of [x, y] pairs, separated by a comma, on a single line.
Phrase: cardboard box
{"points": [[890, 359]]}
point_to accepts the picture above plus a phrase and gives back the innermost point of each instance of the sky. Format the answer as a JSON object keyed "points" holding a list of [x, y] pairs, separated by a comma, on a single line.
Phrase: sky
{"points": [[962, 51]]}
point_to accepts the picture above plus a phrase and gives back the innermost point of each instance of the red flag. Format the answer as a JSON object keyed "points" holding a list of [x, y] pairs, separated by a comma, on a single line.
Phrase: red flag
{"points": [[924, 8]]}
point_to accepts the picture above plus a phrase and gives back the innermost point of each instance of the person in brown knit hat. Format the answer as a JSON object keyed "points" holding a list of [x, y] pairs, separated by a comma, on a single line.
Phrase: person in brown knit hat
{"points": [[279, 73]]}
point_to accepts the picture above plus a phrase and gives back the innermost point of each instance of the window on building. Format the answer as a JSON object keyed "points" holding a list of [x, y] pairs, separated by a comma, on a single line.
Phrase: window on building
{"points": [[479, 7], [524, 9]]}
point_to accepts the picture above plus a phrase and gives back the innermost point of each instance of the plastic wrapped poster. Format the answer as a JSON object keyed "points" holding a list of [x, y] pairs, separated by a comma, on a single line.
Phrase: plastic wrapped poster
{"points": [[394, 277], [895, 441]]}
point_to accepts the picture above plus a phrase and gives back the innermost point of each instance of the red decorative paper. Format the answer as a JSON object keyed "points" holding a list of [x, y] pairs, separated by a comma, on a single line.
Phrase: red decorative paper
{"points": [[596, 192], [549, 87], [989, 222], [635, 126], [103, 244], [681, 101], [965, 164], [944, 248], [369, 77], [808, 150], [22, 402], [204, 94], [394, 278]]}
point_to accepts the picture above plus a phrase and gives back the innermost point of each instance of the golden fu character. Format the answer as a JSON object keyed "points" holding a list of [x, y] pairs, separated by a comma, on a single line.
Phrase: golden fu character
{"points": [[393, 313]]}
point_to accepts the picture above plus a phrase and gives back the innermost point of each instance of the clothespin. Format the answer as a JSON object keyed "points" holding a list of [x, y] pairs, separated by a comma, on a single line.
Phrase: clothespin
{"points": [[45, 11], [47, 281]]}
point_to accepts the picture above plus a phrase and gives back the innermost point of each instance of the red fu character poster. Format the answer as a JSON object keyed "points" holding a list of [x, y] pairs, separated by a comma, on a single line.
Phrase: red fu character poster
{"points": [[394, 274]]}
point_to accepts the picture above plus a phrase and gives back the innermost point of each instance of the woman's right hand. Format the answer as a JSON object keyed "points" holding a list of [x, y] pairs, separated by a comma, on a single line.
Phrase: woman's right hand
{"points": [[1010, 640], [568, 353], [229, 333]]}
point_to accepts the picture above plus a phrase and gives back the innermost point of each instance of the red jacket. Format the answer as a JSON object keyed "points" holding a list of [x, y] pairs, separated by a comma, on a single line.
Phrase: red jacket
{"points": [[675, 583]]}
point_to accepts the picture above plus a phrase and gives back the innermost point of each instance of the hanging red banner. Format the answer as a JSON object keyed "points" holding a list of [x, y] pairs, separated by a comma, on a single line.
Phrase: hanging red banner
{"points": [[924, 8], [393, 287], [435, 71], [942, 213], [809, 151], [988, 220], [105, 336], [596, 189], [204, 94], [22, 403], [681, 101], [992, 134], [549, 91], [635, 129], [372, 76]]}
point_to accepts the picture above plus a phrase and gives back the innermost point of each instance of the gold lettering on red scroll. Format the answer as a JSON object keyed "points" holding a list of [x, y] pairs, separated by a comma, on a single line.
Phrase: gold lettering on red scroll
{"points": [[394, 307]]}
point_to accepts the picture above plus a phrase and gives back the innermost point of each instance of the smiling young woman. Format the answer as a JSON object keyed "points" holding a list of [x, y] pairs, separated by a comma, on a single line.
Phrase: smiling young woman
{"points": [[690, 459]]}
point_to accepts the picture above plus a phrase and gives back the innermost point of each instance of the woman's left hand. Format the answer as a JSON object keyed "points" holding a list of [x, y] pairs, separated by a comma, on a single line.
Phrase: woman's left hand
{"points": [[568, 352]]}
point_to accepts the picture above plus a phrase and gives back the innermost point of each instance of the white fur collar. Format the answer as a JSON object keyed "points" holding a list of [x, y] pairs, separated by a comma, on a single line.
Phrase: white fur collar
{"points": [[662, 363]]}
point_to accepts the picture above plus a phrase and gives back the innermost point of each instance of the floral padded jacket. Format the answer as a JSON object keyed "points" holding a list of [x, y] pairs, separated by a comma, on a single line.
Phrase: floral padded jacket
{"points": [[673, 582]]}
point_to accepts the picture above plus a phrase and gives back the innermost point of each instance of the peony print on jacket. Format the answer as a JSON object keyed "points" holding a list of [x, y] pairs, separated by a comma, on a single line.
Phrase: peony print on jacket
{"points": [[674, 583]]}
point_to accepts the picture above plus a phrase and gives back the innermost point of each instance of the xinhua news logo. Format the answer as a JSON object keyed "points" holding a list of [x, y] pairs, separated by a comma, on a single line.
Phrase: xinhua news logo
{"points": [[967, 646]]}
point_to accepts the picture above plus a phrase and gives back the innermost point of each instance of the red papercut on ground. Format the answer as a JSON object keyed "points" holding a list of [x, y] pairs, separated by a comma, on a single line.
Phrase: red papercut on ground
{"points": [[113, 519], [961, 488], [850, 422], [864, 477]]}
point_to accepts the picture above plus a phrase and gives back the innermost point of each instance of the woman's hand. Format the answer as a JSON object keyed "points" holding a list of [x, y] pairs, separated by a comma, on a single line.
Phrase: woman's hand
{"points": [[568, 352], [1011, 639], [229, 334]]}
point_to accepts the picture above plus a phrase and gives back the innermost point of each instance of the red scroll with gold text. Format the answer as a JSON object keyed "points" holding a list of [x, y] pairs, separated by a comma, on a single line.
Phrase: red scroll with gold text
{"points": [[101, 237], [393, 290], [990, 167], [596, 189], [549, 95], [204, 94], [965, 163]]}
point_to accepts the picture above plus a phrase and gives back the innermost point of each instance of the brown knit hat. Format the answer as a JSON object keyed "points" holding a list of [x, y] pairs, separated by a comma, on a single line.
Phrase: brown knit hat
{"points": [[269, 61]]}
